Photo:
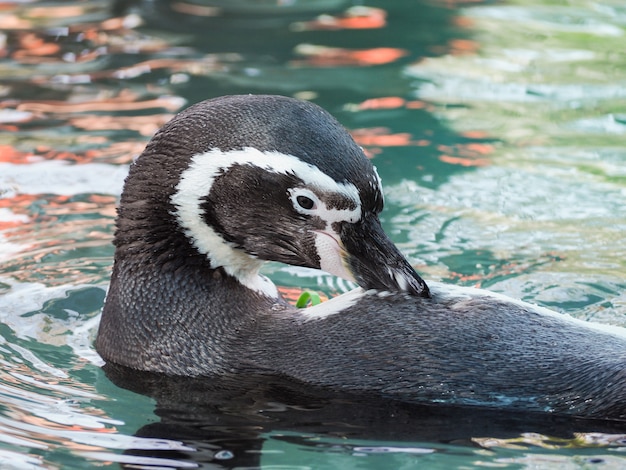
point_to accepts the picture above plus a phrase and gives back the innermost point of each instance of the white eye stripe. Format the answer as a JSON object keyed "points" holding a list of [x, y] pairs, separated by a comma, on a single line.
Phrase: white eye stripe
{"points": [[197, 180], [213, 162], [321, 210]]}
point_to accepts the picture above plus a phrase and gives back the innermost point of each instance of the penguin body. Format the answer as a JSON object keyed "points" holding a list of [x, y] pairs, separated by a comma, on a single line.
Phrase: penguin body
{"points": [[236, 181]]}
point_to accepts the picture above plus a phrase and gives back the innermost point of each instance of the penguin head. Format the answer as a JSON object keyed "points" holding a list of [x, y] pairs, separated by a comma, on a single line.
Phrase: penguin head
{"points": [[255, 178]]}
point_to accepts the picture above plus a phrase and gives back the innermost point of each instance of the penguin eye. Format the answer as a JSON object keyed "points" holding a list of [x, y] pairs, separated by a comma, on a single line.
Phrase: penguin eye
{"points": [[305, 202]]}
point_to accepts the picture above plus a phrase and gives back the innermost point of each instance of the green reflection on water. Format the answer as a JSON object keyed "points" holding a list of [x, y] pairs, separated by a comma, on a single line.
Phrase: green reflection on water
{"points": [[549, 80]]}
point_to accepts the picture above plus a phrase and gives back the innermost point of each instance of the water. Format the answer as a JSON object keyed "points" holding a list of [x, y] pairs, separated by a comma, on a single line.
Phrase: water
{"points": [[499, 131]]}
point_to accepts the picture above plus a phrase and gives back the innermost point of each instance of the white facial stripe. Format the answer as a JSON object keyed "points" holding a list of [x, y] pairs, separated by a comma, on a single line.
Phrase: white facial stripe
{"points": [[322, 211], [327, 242], [215, 161], [196, 182]]}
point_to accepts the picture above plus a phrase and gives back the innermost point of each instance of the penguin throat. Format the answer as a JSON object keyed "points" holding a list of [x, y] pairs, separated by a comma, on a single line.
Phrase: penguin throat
{"points": [[234, 262], [245, 269]]}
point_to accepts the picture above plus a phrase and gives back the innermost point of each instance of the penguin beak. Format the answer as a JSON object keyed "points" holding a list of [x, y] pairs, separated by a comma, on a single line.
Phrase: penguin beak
{"points": [[374, 262]]}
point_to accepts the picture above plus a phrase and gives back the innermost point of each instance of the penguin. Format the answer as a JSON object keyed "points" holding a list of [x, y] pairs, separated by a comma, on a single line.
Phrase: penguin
{"points": [[233, 182]]}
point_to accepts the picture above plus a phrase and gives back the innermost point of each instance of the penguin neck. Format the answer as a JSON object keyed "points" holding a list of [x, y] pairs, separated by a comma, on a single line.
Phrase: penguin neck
{"points": [[152, 312], [150, 226]]}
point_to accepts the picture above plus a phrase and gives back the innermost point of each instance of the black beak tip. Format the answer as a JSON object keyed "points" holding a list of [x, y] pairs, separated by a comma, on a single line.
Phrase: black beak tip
{"points": [[376, 263], [407, 280], [403, 280]]}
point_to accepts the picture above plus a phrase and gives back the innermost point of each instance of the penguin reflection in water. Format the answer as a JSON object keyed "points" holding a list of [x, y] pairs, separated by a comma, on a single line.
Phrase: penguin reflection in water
{"points": [[235, 181]]}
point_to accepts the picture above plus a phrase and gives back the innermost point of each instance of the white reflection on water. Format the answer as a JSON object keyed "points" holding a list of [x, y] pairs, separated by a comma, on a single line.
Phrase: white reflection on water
{"points": [[59, 177], [545, 218], [565, 234], [45, 407], [597, 20]]}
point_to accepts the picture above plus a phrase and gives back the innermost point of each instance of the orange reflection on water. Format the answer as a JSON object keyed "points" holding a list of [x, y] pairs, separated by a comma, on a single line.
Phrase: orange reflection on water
{"points": [[59, 434], [464, 161], [124, 101], [391, 102], [373, 138], [56, 11], [8, 154], [31, 44], [323, 56], [70, 205], [475, 134], [10, 22], [463, 22], [49, 210], [144, 125], [460, 47], [115, 153], [195, 10], [18, 205], [73, 37], [359, 17], [469, 154], [382, 137], [457, 47], [59, 239]]}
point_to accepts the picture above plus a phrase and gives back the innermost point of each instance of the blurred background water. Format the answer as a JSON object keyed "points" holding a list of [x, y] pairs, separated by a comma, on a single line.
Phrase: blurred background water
{"points": [[498, 128]]}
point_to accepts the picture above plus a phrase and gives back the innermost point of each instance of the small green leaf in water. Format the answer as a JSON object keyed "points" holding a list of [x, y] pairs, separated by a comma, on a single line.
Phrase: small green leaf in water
{"points": [[306, 297]]}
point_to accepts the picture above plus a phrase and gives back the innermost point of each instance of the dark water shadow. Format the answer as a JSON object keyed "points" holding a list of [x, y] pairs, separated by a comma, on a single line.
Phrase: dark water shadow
{"points": [[227, 420]]}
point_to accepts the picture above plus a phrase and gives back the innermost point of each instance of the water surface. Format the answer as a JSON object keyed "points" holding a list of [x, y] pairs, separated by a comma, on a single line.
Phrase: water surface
{"points": [[498, 129]]}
